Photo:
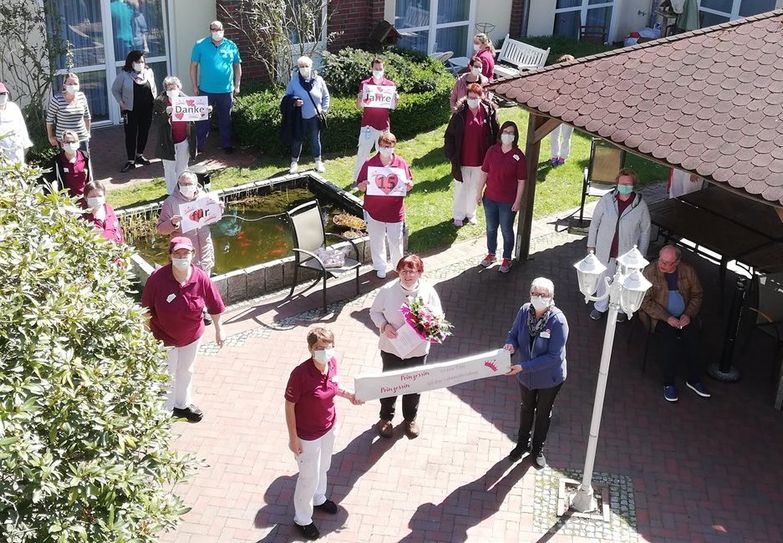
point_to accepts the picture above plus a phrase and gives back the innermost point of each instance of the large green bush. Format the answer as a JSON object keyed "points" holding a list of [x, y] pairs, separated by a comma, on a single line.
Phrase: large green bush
{"points": [[84, 438], [424, 86]]}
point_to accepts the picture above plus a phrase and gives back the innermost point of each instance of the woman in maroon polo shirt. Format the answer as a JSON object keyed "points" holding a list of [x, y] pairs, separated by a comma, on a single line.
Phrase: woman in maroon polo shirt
{"points": [[72, 167], [175, 296], [483, 48], [504, 172], [385, 215], [101, 214], [310, 418]]}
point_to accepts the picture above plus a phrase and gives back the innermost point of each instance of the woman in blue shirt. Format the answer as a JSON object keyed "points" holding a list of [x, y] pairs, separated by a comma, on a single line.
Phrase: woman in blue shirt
{"points": [[311, 95], [539, 335]]}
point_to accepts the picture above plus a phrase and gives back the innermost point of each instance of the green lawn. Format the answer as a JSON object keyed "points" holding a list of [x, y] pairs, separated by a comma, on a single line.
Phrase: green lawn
{"points": [[429, 204]]}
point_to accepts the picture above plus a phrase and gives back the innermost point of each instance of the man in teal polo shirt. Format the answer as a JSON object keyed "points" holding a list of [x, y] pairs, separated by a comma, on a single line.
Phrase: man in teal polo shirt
{"points": [[216, 72]]}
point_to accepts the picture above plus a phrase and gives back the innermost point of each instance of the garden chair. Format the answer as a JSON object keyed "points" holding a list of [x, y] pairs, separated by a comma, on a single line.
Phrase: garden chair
{"points": [[516, 56], [606, 161], [593, 34], [309, 235]]}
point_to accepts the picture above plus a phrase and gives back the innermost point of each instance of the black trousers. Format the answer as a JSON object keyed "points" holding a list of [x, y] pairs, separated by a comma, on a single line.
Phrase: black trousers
{"points": [[137, 129], [410, 402], [679, 345], [536, 404]]}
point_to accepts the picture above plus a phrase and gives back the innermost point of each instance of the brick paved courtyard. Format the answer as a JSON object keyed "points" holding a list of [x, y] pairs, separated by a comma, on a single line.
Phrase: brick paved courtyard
{"points": [[699, 470]]}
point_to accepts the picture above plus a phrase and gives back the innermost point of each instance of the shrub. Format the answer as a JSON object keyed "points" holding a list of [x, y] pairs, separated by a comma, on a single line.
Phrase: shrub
{"points": [[424, 86], [84, 439]]}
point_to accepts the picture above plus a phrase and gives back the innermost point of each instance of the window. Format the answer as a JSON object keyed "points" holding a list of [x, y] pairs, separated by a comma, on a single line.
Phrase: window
{"points": [[570, 15], [713, 12], [435, 25]]}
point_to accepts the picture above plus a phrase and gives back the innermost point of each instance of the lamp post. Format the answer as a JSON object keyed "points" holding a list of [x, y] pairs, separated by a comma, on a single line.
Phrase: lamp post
{"points": [[625, 291]]}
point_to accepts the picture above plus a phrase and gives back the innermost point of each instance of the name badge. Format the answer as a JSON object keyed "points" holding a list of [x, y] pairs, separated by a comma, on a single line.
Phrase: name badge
{"points": [[516, 157], [170, 298], [545, 334], [66, 170], [335, 379]]}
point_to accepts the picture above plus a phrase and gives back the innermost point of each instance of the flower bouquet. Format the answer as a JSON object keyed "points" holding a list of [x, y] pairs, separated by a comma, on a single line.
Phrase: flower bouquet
{"points": [[430, 326]]}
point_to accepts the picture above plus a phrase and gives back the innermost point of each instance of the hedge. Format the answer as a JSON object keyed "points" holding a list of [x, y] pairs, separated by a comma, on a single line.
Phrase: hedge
{"points": [[422, 107]]}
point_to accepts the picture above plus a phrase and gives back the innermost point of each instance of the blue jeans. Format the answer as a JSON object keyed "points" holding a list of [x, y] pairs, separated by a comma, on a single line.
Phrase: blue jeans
{"points": [[309, 128], [221, 103], [499, 214]]}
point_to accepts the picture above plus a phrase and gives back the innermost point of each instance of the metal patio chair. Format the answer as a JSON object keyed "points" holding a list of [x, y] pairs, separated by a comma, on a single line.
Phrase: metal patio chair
{"points": [[599, 176]]}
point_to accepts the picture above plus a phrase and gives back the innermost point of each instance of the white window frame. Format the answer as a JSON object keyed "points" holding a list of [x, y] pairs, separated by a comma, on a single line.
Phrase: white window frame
{"points": [[585, 7], [733, 15], [434, 26]]}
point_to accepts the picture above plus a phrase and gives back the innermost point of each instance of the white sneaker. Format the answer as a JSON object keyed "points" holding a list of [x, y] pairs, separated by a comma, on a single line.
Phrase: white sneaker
{"points": [[380, 274], [457, 222], [294, 167], [472, 220], [319, 166]]}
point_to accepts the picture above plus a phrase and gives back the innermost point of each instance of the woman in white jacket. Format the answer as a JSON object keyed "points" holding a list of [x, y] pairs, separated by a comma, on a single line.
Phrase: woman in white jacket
{"points": [[620, 221]]}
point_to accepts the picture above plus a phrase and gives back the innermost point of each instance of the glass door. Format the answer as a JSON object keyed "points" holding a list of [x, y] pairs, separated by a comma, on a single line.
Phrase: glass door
{"points": [[434, 26], [570, 15], [713, 12]]}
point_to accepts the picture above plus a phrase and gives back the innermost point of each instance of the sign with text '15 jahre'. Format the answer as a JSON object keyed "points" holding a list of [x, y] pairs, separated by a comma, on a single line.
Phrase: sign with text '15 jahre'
{"points": [[432, 376], [190, 108]]}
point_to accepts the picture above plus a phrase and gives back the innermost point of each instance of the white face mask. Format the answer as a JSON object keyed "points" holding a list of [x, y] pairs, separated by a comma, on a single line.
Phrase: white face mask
{"points": [[217, 35], [322, 356], [475, 71], [138, 66], [172, 94], [71, 147], [507, 139], [3, 99], [188, 191], [473, 103], [305, 72], [386, 151], [73, 89], [96, 202], [476, 47], [377, 74], [540, 302], [181, 263]]}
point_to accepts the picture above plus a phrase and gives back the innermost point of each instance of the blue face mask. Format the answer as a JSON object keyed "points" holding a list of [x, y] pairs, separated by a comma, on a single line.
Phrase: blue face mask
{"points": [[625, 189]]}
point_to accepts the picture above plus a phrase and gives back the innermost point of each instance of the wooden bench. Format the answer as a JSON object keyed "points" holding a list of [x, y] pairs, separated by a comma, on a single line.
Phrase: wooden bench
{"points": [[520, 56]]}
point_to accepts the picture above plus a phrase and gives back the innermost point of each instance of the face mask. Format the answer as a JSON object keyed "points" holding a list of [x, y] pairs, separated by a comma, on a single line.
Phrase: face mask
{"points": [[181, 263], [540, 302], [71, 147], [188, 191], [94, 203], [473, 103], [386, 151], [3, 99], [73, 89], [377, 74], [476, 47], [172, 94], [507, 139], [305, 72], [625, 189], [217, 35], [138, 66], [475, 71], [322, 356]]}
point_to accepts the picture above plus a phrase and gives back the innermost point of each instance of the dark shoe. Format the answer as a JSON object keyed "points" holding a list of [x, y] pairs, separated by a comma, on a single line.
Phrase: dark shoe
{"points": [[621, 317], [411, 429], [384, 428], [228, 150], [191, 412], [670, 393], [539, 460], [308, 532], [328, 507], [596, 315], [128, 166], [518, 452], [699, 388], [141, 159]]}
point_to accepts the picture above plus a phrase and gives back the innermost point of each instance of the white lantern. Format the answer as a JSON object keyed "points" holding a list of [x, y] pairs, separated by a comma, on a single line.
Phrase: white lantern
{"points": [[632, 290], [632, 260], [589, 271]]}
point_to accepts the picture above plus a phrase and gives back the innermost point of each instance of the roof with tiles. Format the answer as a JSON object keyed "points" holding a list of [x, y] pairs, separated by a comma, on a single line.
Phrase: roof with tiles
{"points": [[708, 101]]}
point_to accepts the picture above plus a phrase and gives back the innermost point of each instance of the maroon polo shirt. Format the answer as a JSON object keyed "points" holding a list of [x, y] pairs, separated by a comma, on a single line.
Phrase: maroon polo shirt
{"points": [[109, 227], [74, 173], [474, 138], [179, 129], [384, 208], [177, 310], [503, 171], [621, 207], [312, 394], [377, 117]]}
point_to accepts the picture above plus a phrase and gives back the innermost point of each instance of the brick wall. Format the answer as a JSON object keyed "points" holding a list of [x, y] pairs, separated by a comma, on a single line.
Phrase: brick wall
{"points": [[251, 69], [515, 29]]}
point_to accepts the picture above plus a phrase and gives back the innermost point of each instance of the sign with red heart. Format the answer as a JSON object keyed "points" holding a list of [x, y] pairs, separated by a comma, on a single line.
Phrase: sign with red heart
{"points": [[190, 108], [385, 181], [200, 212], [380, 96]]}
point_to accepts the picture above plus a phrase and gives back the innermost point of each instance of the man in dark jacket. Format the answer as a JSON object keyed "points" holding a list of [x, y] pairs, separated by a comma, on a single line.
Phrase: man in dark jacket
{"points": [[472, 129]]}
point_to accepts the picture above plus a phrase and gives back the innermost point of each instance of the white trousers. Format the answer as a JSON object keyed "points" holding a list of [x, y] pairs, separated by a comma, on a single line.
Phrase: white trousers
{"points": [[560, 139], [181, 365], [314, 462], [466, 193], [172, 169], [368, 138], [603, 305], [379, 232]]}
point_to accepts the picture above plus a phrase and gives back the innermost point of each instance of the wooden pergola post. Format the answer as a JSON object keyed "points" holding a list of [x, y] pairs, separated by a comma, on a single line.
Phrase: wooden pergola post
{"points": [[537, 128]]}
